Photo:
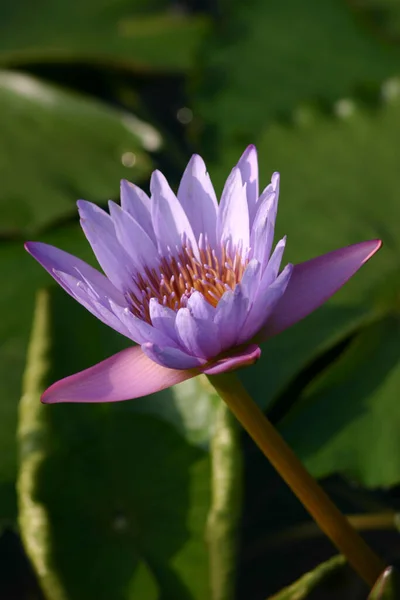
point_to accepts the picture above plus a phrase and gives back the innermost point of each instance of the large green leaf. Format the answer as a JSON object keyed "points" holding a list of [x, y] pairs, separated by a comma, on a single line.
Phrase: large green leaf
{"points": [[267, 57], [125, 33], [57, 146], [348, 419], [107, 495], [21, 278]]}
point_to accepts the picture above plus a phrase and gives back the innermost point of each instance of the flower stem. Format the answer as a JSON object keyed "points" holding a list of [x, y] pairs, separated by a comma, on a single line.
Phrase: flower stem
{"points": [[335, 525]]}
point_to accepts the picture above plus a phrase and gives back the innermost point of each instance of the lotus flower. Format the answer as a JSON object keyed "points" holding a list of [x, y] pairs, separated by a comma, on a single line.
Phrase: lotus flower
{"points": [[194, 284]]}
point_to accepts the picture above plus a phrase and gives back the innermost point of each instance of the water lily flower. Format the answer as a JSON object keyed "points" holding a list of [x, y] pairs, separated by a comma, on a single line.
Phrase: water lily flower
{"points": [[195, 284]]}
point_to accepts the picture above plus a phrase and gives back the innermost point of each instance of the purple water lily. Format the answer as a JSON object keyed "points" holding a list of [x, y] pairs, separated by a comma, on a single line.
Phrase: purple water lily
{"points": [[193, 283]]}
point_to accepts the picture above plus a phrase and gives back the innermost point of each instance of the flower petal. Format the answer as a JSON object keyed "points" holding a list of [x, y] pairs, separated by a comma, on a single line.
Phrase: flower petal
{"points": [[313, 282], [172, 358], [128, 374], [262, 233], [140, 331], [199, 307], [251, 280], [85, 294], [170, 222], [199, 336], [244, 357], [248, 166], [267, 297], [84, 283], [137, 203], [230, 315], [100, 232], [197, 197], [233, 212], [132, 237], [163, 318]]}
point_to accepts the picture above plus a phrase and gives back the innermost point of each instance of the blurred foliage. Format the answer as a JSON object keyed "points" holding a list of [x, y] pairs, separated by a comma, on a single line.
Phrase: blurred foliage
{"points": [[161, 497]]}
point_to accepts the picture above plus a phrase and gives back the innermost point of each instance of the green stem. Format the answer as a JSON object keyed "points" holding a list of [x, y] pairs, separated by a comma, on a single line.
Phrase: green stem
{"points": [[311, 495], [222, 525]]}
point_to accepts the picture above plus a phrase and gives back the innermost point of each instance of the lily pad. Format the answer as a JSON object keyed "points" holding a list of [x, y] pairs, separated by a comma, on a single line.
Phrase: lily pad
{"points": [[348, 420], [268, 57], [112, 502], [124, 33], [57, 146]]}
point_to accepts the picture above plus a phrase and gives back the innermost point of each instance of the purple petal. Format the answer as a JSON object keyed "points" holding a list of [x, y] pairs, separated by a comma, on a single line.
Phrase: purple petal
{"points": [[137, 203], [315, 281], [243, 358], [230, 315], [267, 297], [233, 212], [199, 336], [251, 279], [170, 222], [272, 269], [140, 331], [86, 295], [132, 237], [172, 358], [86, 285], [199, 307], [248, 166], [128, 374], [197, 197], [262, 233], [163, 318], [100, 232]]}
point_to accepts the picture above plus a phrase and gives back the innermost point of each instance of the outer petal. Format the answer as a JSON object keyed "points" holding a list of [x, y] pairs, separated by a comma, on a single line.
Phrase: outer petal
{"points": [[198, 336], [248, 166], [315, 281], [262, 233], [171, 225], [244, 357], [100, 232], [172, 358], [140, 331], [128, 374], [233, 212], [197, 197], [230, 315], [199, 307], [163, 318], [132, 237], [86, 285], [268, 296], [137, 203]]}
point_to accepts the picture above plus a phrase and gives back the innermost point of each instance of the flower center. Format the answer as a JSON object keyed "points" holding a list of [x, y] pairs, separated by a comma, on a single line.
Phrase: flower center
{"points": [[178, 275]]}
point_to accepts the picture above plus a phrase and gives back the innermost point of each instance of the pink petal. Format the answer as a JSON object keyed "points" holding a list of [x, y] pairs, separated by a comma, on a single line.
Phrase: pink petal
{"points": [[128, 374], [313, 282], [243, 358]]}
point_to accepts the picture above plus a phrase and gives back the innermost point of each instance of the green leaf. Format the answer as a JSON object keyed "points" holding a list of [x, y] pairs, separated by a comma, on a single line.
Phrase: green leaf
{"points": [[113, 502], [124, 33], [387, 587], [321, 579], [57, 146], [268, 57], [348, 420], [22, 277]]}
